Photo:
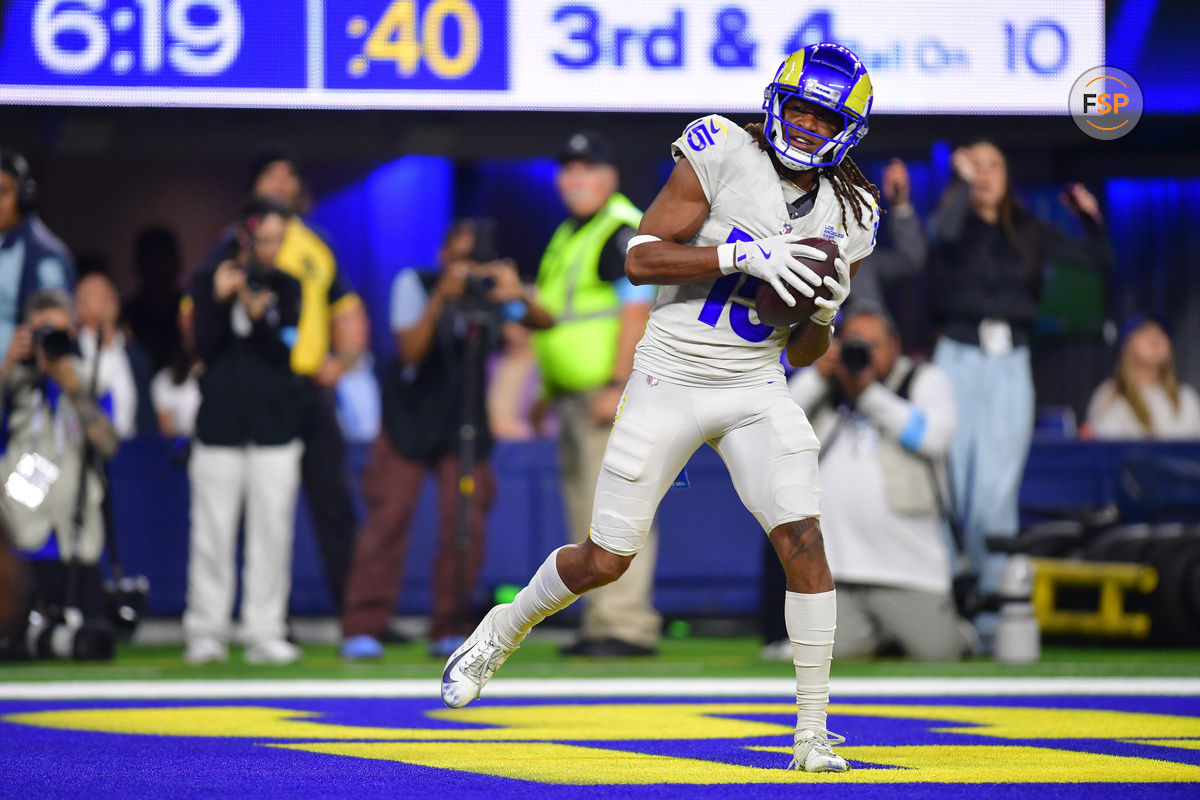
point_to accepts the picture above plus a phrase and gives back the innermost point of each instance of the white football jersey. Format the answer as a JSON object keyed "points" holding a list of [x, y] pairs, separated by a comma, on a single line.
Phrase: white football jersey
{"points": [[706, 333]]}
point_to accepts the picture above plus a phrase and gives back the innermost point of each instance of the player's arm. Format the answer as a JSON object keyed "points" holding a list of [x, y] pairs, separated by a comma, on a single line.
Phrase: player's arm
{"points": [[657, 255], [809, 340], [674, 217]]}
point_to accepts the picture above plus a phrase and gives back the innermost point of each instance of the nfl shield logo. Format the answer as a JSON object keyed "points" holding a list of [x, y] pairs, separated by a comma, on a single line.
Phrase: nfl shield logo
{"points": [[786, 228]]}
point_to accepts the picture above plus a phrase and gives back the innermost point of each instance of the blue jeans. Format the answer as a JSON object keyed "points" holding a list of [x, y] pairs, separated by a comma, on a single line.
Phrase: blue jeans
{"points": [[995, 401]]}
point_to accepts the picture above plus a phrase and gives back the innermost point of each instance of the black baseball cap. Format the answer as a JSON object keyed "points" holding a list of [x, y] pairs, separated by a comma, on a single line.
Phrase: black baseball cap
{"points": [[587, 146]]}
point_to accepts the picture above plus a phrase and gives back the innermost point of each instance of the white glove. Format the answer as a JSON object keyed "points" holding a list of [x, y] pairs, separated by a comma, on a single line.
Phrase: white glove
{"points": [[839, 290], [776, 260]]}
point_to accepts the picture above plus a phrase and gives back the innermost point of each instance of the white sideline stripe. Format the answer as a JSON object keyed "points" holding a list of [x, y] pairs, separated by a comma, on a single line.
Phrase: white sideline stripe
{"points": [[597, 687]]}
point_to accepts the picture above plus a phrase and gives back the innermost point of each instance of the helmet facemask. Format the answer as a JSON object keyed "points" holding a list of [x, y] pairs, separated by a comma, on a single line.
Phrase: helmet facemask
{"points": [[779, 131], [826, 75]]}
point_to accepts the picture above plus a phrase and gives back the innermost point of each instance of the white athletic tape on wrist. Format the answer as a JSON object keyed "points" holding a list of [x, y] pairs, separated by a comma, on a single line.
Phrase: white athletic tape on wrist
{"points": [[726, 258], [641, 238], [817, 318]]}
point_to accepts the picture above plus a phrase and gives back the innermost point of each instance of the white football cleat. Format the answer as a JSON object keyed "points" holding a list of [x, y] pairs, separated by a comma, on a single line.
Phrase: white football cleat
{"points": [[813, 752], [474, 663]]}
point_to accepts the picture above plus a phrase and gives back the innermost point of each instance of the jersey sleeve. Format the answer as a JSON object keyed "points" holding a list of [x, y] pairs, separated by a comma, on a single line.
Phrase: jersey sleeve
{"points": [[706, 143], [860, 239]]}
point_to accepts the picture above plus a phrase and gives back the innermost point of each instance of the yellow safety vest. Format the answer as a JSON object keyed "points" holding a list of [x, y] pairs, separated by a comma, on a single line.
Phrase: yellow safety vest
{"points": [[579, 352]]}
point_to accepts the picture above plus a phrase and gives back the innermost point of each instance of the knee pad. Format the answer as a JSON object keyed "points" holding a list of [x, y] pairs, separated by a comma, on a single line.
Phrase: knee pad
{"points": [[621, 522]]}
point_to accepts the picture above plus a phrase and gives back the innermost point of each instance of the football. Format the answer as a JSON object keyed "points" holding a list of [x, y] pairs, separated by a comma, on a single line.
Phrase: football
{"points": [[776, 313]]}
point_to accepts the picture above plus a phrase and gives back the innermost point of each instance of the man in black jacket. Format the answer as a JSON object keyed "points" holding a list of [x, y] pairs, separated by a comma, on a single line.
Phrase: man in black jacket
{"points": [[247, 444]]}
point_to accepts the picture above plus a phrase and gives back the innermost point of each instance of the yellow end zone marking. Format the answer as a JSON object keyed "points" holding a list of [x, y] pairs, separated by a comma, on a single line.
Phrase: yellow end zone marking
{"points": [[526, 742], [611, 721], [1182, 744], [573, 764]]}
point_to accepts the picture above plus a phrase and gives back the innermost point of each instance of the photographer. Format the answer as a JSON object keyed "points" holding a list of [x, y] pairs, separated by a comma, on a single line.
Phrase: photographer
{"points": [[885, 426], [50, 408], [31, 256], [445, 324], [247, 445]]}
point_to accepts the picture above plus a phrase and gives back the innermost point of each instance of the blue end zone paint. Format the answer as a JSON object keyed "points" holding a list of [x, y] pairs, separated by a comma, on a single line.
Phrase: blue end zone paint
{"points": [[47, 763]]}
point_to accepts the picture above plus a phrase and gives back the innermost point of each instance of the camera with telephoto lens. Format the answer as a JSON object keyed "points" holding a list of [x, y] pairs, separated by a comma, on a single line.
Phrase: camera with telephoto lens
{"points": [[126, 600], [52, 342], [479, 287], [69, 635], [856, 356], [257, 275]]}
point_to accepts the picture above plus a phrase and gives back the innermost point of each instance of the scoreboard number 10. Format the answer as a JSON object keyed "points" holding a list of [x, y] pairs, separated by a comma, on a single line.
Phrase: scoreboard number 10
{"points": [[406, 37]]}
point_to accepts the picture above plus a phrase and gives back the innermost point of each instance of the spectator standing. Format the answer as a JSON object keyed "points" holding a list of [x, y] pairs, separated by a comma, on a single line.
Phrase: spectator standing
{"points": [[434, 317], [586, 360], [124, 366], [152, 312], [987, 255], [906, 255], [247, 448], [31, 256], [1144, 398], [885, 426]]}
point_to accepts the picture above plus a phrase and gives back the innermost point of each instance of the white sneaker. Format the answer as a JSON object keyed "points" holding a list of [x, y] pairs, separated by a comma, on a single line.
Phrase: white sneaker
{"points": [[205, 651], [813, 752], [272, 651], [474, 663]]}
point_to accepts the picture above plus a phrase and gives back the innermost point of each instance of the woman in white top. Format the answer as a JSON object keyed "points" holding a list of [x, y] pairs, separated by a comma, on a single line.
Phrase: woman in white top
{"points": [[1144, 399]]}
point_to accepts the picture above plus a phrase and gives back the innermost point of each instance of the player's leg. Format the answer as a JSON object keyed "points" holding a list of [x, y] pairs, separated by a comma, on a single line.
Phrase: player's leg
{"points": [[772, 460], [654, 435], [621, 610]]}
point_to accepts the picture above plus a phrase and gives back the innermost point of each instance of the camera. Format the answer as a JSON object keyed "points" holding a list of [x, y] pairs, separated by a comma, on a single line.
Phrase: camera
{"points": [[126, 600], [483, 251], [856, 356], [257, 275], [51, 341], [69, 636]]}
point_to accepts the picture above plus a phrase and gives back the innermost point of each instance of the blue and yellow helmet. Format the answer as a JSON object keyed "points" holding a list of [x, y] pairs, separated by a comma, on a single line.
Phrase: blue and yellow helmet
{"points": [[830, 76]]}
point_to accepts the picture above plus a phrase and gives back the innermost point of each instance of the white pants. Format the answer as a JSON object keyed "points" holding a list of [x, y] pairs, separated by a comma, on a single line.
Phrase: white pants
{"points": [[268, 479], [764, 438]]}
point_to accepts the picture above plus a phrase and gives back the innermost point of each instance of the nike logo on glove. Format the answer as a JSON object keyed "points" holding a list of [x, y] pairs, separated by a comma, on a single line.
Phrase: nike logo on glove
{"points": [[766, 253]]}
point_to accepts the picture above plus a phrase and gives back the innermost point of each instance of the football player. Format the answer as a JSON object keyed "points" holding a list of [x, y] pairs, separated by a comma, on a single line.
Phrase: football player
{"points": [[707, 371]]}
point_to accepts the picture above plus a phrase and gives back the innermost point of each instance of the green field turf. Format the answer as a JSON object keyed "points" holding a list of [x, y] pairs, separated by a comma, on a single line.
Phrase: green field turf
{"points": [[695, 657]]}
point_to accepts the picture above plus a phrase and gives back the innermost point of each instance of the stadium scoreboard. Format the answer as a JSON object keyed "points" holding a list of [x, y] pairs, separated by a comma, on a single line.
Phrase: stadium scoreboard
{"points": [[924, 56]]}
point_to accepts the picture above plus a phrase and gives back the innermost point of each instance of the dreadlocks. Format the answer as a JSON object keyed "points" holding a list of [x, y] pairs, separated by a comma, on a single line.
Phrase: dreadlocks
{"points": [[845, 177]]}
